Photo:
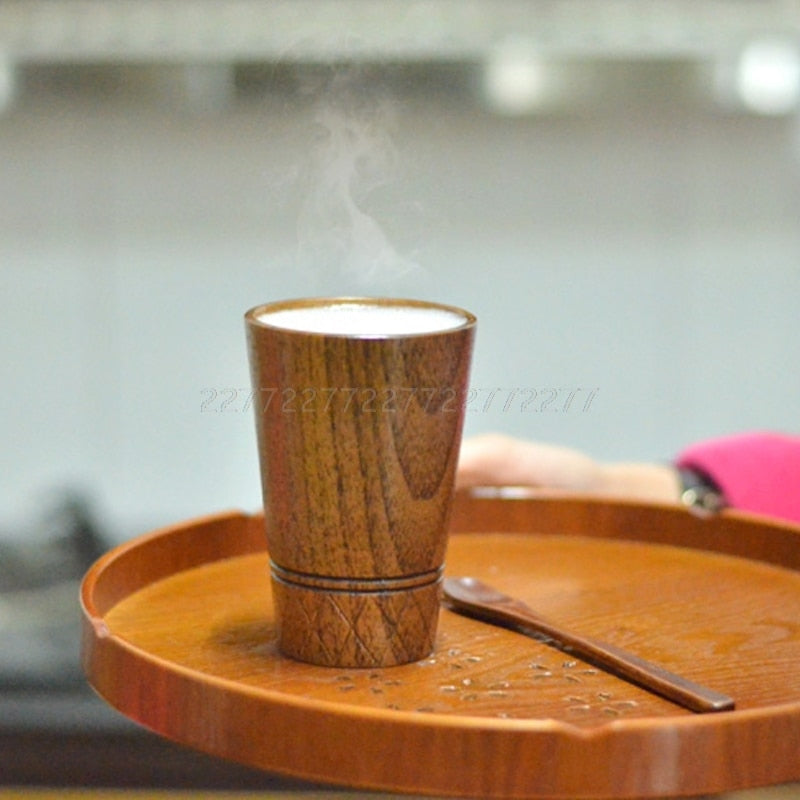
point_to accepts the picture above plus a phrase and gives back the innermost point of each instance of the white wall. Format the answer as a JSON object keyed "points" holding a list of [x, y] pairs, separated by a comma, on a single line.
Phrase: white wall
{"points": [[653, 255]]}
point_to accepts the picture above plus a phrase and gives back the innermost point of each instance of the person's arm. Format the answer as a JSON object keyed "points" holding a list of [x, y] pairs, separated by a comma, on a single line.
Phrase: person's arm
{"points": [[756, 472], [497, 460]]}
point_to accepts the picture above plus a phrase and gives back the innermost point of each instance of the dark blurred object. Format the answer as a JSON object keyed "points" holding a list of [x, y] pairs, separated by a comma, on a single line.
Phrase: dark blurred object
{"points": [[40, 574], [71, 738], [68, 543], [53, 730]]}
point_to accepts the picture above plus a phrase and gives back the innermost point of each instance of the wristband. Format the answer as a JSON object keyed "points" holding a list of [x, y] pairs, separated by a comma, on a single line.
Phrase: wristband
{"points": [[699, 493]]}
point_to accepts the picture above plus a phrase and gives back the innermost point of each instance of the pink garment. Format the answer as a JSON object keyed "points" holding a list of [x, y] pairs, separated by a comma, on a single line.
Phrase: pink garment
{"points": [[757, 472]]}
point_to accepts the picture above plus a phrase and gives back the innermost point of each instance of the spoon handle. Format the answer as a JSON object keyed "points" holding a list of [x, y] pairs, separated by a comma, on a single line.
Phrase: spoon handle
{"points": [[477, 599]]}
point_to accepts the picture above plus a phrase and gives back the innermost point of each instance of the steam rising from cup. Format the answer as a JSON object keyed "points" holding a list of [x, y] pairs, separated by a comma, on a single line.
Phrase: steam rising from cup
{"points": [[353, 155]]}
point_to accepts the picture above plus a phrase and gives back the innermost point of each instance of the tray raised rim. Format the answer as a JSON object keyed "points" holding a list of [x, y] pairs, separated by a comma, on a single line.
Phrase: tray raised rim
{"points": [[127, 568]]}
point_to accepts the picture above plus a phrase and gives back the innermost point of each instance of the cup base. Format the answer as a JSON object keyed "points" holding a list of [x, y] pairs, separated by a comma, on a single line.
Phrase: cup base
{"points": [[356, 627]]}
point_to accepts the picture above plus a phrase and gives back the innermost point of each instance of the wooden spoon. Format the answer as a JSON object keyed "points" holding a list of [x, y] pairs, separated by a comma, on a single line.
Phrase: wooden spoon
{"points": [[477, 599]]}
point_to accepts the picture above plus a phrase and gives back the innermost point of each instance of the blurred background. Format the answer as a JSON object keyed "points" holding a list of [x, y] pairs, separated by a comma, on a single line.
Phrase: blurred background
{"points": [[612, 187]]}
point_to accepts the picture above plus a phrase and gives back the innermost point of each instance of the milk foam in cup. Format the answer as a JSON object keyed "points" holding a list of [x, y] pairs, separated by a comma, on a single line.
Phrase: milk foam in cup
{"points": [[358, 319]]}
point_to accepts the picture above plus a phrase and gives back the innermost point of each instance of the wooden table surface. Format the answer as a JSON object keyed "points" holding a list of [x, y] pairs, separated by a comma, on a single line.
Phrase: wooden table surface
{"points": [[784, 792], [180, 636]]}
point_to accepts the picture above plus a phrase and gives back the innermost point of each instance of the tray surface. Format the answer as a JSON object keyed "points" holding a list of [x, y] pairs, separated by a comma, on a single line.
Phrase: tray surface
{"points": [[180, 636]]}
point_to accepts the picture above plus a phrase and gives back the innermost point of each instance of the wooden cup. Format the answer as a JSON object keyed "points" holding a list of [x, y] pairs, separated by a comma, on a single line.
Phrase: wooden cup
{"points": [[358, 438]]}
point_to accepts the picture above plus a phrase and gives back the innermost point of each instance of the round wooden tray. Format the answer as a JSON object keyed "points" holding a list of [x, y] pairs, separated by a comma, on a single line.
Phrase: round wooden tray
{"points": [[178, 635]]}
